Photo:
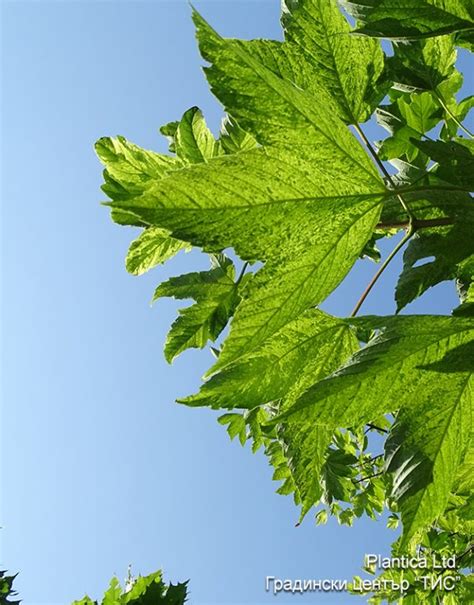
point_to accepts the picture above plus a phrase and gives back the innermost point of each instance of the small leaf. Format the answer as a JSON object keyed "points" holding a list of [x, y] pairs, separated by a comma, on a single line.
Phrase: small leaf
{"points": [[154, 246]]}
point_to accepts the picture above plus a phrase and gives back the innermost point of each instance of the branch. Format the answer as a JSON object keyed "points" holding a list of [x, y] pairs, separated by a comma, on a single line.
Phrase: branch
{"points": [[417, 223], [384, 171], [242, 273], [466, 552], [376, 428], [369, 477], [408, 235], [371, 460], [451, 115]]}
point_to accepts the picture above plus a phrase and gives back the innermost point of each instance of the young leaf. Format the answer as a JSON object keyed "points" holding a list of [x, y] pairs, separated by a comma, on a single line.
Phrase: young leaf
{"points": [[191, 139], [128, 171], [455, 160], [152, 247], [424, 65], [233, 138], [216, 296]]}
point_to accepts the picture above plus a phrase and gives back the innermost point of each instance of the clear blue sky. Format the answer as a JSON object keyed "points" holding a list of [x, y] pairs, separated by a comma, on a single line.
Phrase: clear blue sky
{"points": [[100, 467]]}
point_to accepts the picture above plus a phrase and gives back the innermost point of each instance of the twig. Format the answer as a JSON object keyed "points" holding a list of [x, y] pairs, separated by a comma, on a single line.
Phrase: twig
{"points": [[371, 461], [452, 116], [384, 170], [418, 223], [244, 268], [368, 477], [376, 428], [408, 235]]}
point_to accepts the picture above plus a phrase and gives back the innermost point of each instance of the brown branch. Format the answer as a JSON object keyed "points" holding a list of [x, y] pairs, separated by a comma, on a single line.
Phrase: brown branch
{"points": [[418, 223], [408, 235]]}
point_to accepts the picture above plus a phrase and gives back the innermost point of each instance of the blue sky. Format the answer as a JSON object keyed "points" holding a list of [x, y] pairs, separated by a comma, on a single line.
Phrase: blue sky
{"points": [[100, 467]]}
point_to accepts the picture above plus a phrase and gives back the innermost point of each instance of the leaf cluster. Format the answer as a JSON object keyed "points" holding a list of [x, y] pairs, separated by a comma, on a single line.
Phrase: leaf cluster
{"points": [[141, 590], [359, 414]]}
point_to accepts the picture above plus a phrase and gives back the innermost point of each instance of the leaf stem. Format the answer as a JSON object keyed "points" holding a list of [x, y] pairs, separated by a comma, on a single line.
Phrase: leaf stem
{"points": [[411, 229], [242, 273], [452, 116], [384, 171]]}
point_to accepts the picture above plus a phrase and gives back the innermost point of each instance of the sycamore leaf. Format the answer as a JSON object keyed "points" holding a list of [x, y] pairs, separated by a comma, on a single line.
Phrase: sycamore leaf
{"points": [[152, 247], [457, 114], [271, 218], [424, 452], [386, 375], [142, 590], [128, 170], [412, 19], [408, 118], [465, 285], [236, 425], [216, 295], [265, 202], [424, 65], [6, 589], [436, 255], [397, 371], [349, 67], [407, 367], [269, 88], [306, 349], [337, 474], [455, 160], [190, 138]]}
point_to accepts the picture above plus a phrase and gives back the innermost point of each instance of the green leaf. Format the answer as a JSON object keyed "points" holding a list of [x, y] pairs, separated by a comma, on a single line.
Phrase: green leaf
{"points": [[337, 473], [112, 595], [153, 246], [465, 284], [455, 160], [272, 93], [306, 349], [413, 19], [236, 425], [410, 367], [444, 251], [424, 65], [349, 67], [265, 202], [129, 170], [216, 296], [407, 119], [386, 375], [233, 138], [191, 139], [6, 589], [271, 219], [425, 450]]}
